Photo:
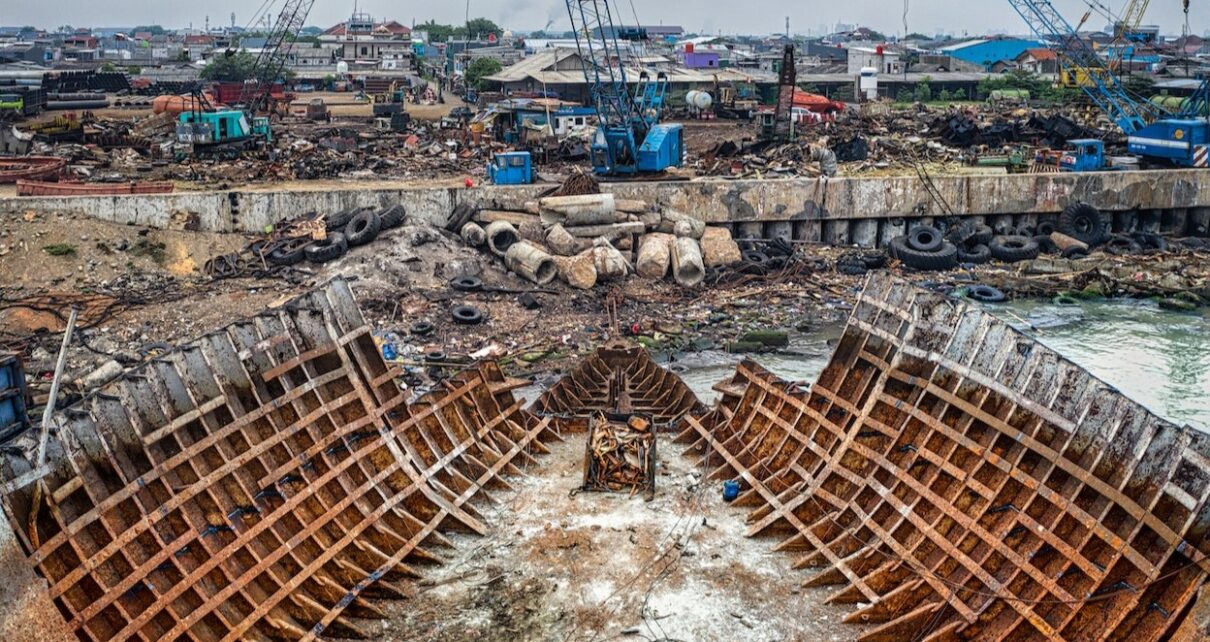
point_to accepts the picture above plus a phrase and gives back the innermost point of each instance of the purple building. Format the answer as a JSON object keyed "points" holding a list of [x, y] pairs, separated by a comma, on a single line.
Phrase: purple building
{"points": [[701, 60]]}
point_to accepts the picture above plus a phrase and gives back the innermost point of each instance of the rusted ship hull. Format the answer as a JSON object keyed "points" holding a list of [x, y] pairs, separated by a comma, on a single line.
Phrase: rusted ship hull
{"points": [[620, 378], [955, 480], [263, 483], [42, 188], [30, 168]]}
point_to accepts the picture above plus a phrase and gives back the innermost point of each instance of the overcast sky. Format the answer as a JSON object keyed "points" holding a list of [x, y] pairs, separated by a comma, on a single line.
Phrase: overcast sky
{"points": [[706, 16]]}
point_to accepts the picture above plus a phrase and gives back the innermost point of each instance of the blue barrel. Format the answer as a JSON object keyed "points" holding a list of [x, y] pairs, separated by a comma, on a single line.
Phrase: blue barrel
{"points": [[730, 490], [14, 417], [389, 352]]}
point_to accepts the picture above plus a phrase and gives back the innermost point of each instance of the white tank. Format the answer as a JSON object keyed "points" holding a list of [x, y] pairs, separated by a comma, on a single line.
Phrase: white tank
{"points": [[700, 100], [342, 68]]}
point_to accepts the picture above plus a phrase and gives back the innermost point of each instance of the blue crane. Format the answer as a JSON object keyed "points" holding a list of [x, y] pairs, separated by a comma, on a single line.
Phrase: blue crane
{"points": [[1153, 134], [630, 139]]}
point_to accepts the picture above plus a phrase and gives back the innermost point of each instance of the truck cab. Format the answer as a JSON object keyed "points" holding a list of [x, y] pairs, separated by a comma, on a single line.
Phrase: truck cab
{"points": [[1085, 155]]}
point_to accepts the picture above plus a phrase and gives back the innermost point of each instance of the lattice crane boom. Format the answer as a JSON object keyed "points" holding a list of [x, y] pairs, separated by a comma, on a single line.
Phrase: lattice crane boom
{"points": [[1078, 58], [271, 60]]}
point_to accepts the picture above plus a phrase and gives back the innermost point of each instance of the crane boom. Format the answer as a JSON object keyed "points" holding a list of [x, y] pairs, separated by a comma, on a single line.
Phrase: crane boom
{"points": [[1078, 58], [629, 137], [271, 60]]}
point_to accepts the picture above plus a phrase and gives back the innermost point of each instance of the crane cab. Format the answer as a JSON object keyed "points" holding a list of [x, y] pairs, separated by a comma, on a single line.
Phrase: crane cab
{"points": [[1085, 155], [512, 168]]}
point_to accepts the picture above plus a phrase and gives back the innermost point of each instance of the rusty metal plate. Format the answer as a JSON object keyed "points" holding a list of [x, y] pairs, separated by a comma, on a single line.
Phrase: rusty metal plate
{"points": [[958, 481], [266, 482]]}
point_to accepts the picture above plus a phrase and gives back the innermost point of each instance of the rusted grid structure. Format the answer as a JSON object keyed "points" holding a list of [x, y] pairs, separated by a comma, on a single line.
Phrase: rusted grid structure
{"points": [[620, 378], [267, 482], [960, 481]]}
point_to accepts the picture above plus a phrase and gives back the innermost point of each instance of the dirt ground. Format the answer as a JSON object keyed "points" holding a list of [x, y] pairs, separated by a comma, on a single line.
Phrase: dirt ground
{"points": [[570, 566]]}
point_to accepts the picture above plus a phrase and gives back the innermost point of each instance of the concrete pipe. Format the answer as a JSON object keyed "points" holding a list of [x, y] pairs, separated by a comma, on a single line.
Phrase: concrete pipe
{"points": [[578, 271], [593, 209], [687, 267], [655, 255], [501, 236], [529, 262], [473, 235]]}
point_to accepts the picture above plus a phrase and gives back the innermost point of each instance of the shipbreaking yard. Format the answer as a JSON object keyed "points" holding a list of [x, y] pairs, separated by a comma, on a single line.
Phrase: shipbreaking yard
{"points": [[395, 361]]}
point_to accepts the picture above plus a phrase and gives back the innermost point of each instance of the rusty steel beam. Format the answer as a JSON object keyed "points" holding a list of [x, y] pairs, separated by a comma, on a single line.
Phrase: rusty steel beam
{"points": [[266, 482], [620, 378], [961, 481]]}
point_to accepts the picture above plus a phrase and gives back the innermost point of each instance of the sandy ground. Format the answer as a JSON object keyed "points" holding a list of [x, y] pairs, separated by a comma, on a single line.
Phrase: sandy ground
{"points": [[562, 565]]}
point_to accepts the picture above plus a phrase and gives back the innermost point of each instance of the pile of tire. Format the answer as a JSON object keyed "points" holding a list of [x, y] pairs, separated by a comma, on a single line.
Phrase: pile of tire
{"points": [[973, 241], [926, 249], [345, 229]]}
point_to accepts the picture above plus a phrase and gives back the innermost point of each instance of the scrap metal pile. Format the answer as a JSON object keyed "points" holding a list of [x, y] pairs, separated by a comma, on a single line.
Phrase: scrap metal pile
{"points": [[269, 481], [620, 454], [953, 479]]}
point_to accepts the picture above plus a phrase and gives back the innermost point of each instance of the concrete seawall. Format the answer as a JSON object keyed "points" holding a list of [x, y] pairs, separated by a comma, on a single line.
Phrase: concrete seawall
{"points": [[863, 211]]}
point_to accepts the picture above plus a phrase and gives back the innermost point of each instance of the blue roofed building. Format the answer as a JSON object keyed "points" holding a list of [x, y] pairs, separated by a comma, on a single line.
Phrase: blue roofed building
{"points": [[988, 52]]}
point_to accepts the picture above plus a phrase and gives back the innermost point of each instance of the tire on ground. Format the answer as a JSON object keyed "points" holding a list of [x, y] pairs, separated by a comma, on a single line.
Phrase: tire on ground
{"points": [[925, 238], [1012, 249], [1083, 222], [977, 255], [983, 235], [337, 221], [944, 259], [363, 228], [288, 253], [392, 217], [330, 249]]}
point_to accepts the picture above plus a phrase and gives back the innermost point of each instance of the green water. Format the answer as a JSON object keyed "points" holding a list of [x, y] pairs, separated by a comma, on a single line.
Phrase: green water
{"points": [[1159, 358]]}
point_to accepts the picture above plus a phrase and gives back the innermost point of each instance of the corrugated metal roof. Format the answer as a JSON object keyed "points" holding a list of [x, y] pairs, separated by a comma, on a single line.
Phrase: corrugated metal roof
{"points": [[540, 67]]}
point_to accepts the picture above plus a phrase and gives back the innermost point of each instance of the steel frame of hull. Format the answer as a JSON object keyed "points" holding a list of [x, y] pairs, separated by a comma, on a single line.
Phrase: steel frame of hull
{"points": [[267, 482], [618, 378], [960, 481]]}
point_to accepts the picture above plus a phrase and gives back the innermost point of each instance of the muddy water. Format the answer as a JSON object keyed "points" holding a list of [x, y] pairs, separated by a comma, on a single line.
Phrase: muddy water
{"points": [[1159, 358]]}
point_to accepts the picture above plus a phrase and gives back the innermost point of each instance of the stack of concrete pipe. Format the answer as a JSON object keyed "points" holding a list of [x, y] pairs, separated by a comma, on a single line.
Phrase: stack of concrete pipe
{"points": [[593, 238]]}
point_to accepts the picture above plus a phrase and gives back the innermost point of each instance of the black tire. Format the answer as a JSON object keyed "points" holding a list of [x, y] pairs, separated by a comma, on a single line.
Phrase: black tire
{"points": [[288, 253], [1045, 244], [1121, 244], [1083, 222], [330, 249], [874, 260], [756, 258], [925, 239], [466, 315], [986, 294], [962, 233], [1075, 252], [436, 356], [944, 259], [422, 329], [1066, 300], [1026, 230], [983, 235], [1046, 227], [363, 229], [1152, 241], [338, 221], [977, 255], [392, 217], [1012, 249], [466, 284]]}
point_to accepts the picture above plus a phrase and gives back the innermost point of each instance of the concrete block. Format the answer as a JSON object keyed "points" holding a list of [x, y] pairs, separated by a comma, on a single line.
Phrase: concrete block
{"points": [[865, 232], [751, 230], [891, 228], [836, 233], [779, 229]]}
